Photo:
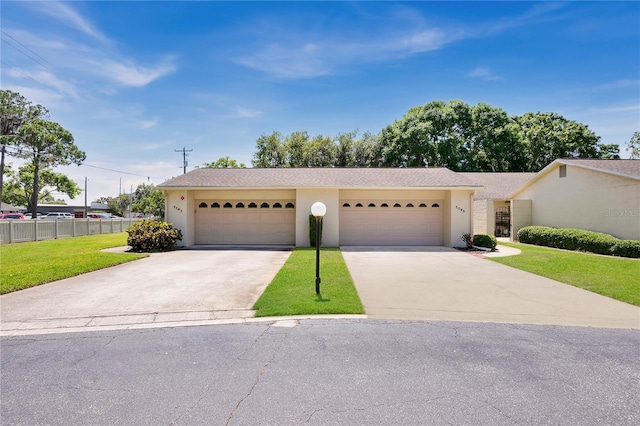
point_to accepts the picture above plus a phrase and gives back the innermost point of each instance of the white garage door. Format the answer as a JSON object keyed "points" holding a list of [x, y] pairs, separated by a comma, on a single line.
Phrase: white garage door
{"points": [[245, 222], [400, 222]]}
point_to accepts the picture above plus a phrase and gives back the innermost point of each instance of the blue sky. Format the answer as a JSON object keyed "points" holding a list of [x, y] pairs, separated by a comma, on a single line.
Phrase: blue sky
{"points": [[134, 81]]}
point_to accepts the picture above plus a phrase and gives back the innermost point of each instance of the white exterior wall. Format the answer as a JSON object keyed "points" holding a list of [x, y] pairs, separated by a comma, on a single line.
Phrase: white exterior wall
{"points": [[179, 210], [331, 222], [520, 216], [586, 199], [458, 216]]}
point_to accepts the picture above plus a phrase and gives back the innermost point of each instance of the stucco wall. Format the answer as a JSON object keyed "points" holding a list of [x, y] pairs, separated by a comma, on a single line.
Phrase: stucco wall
{"points": [[330, 228], [586, 199], [520, 216], [179, 211], [458, 217], [480, 212]]}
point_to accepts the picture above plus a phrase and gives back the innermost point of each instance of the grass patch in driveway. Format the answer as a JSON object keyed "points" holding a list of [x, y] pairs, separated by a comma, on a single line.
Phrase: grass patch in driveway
{"points": [[614, 277], [37, 262], [293, 291]]}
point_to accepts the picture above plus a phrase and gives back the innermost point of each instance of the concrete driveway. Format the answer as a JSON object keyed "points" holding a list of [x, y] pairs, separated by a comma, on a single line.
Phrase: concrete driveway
{"points": [[438, 283], [185, 285]]}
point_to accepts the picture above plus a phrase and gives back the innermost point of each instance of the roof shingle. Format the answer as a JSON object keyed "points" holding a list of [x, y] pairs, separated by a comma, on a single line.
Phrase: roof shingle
{"points": [[321, 178]]}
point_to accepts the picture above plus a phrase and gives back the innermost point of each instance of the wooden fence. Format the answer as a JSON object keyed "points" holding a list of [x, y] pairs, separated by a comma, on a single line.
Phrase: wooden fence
{"points": [[17, 231]]}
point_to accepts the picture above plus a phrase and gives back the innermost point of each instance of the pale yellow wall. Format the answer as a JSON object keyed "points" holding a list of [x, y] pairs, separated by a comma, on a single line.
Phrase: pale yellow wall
{"points": [[246, 194], [379, 194], [586, 199], [520, 216], [480, 216], [458, 216], [331, 225]]}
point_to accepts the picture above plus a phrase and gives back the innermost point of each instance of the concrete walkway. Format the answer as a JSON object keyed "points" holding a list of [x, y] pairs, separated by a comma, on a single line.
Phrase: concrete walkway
{"points": [[438, 283]]}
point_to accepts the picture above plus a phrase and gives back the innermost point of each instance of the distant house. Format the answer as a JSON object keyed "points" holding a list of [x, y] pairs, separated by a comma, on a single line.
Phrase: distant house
{"points": [[598, 195], [365, 206], [8, 208], [491, 205]]}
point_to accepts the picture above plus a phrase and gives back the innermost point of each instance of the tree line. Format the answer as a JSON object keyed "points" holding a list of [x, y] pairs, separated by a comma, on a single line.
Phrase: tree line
{"points": [[454, 134]]}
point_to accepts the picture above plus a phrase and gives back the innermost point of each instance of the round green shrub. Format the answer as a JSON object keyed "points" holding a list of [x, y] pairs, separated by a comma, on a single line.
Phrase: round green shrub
{"points": [[149, 235], [484, 240]]}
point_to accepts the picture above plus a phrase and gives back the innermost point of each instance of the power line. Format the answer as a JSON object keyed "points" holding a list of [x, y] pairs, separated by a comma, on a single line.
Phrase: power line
{"points": [[119, 171], [25, 54]]}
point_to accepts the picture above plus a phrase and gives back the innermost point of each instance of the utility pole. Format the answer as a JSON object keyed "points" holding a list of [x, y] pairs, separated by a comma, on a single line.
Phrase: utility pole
{"points": [[184, 157]]}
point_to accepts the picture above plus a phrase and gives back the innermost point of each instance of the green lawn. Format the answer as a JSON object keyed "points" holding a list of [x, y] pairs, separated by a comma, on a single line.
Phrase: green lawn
{"points": [[614, 277], [292, 291], [24, 265]]}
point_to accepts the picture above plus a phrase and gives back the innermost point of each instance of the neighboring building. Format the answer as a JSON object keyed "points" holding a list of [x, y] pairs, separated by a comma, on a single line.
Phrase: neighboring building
{"points": [[365, 206], [598, 195], [491, 206], [8, 208]]}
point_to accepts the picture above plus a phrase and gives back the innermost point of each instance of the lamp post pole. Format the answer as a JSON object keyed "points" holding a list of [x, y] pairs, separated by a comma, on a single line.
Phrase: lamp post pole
{"points": [[318, 210]]}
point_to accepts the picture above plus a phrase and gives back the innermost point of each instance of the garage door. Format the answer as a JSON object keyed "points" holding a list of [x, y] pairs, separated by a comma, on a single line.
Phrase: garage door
{"points": [[245, 222], [400, 222]]}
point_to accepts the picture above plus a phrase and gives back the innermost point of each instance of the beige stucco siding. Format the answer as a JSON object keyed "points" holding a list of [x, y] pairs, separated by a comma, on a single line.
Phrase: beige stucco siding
{"points": [[586, 199], [480, 216], [330, 226]]}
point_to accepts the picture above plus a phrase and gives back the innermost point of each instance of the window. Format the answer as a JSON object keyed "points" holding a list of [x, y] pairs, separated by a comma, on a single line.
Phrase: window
{"points": [[277, 205], [264, 205], [422, 205], [409, 205], [397, 205], [289, 206], [227, 205], [346, 205], [435, 205], [203, 205], [215, 206], [359, 205], [562, 170], [384, 205], [371, 205], [253, 206], [240, 206]]}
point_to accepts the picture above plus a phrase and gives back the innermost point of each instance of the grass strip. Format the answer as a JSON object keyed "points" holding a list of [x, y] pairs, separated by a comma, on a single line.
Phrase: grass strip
{"points": [[28, 264], [292, 291], [615, 277]]}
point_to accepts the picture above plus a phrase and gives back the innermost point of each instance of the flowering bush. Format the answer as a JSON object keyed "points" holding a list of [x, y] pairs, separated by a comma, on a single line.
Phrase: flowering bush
{"points": [[152, 235]]}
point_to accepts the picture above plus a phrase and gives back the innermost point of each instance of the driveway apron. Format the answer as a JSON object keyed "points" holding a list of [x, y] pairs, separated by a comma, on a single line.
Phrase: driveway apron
{"points": [[438, 283], [176, 286]]}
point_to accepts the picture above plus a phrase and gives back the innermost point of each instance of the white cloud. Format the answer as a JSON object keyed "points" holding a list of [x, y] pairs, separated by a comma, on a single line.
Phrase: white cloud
{"points": [[70, 17], [484, 73], [130, 74], [241, 112], [146, 124]]}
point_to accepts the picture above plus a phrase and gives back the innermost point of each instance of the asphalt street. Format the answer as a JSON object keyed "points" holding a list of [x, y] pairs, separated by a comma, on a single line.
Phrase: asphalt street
{"points": [[318, 371]]}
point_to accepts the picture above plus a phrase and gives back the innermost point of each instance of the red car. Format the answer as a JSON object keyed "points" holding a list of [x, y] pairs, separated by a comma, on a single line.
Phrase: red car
{"points": [[11, 216]]}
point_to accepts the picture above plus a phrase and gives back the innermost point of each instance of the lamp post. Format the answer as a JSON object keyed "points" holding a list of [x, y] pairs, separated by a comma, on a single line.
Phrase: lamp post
{"points": [[318, 209]]}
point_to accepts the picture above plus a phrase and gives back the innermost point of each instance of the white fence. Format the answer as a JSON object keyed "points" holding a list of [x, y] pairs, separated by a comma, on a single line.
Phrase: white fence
{"points": [[17, 231]]}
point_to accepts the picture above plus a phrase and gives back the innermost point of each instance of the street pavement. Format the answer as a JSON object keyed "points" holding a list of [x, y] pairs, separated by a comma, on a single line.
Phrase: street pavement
{"points": [[329, 372]]}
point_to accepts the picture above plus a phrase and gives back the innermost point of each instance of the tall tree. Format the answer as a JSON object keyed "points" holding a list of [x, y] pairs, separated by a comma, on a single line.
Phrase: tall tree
{"points": [[634, 145], [15, 110], [269, 151], [225, 163], [148, 200], [295, 146], [46, 144], [19, 186], [548, 136], [320, 152]]}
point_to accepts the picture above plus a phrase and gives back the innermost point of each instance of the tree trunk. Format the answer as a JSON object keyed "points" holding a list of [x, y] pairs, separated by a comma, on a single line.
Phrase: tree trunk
{"points": [[33, 208]]}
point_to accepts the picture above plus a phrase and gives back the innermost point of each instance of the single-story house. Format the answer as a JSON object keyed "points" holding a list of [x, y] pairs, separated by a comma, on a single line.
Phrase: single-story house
{"points": [[8, 208], [598, 195], [365, 206], [491, 205]]}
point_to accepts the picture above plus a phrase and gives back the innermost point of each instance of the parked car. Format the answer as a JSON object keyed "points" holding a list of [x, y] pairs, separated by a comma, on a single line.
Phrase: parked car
{"points": [[98, 216], [11, 216], [28, 215], [58, 215]]}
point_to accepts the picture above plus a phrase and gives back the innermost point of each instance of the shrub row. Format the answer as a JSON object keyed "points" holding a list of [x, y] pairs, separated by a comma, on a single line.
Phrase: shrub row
{"points": [[479, 240], [149, 235], [579, 239]]}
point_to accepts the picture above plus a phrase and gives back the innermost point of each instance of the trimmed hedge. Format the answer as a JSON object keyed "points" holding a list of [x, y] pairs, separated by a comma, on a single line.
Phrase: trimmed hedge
{"points": [[484, 240], [312, 230], [579, 239], [149, 235]]}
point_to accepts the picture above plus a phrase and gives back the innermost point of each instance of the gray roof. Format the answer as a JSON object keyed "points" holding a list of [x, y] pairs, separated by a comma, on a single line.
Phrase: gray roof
{"points": [[627, 168], [321, 178], [497, 186]]}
